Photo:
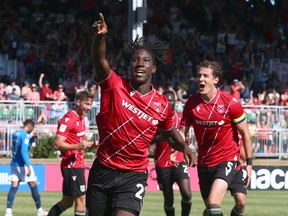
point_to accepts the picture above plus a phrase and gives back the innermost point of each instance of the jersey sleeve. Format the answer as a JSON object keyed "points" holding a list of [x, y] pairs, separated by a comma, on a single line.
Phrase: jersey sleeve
{"points": [[112, 80], [64, 126], [186, 119], [24, 143], [168, 122], [237, 112]]}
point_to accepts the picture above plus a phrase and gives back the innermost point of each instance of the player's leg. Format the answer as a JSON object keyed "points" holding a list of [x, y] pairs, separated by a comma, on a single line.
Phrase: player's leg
{"points": [[183, 181], [79, 192], [11, 197], [165, 182], [240, 202], [61, 206], [80, 208], [223, 175], [205, 183], [239, 192], [17, 174], [68, 190], [129, 192], [31, 180], [99, 190], [169, 202], [216, 196], [186, 202]]}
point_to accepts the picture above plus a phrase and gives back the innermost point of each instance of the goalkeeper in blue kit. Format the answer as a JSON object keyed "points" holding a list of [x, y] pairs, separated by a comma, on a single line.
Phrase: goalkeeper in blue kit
{"points": [[21, 169]]}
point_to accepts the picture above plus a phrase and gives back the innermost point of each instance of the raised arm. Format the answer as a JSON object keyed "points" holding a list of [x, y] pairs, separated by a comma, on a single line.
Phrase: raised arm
{"points": [[98, 50], [40, 81]]}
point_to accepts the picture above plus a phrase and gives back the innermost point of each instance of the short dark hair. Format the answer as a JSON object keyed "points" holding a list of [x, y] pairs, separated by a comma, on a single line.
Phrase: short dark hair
{"points": [[82, 95], [167, 92], [29, 122], [215, 66], [157, 48]]}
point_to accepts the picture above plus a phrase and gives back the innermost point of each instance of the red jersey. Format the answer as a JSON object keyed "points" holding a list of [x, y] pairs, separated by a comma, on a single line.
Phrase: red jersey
{"points": [[214, 127], [45, 91], [127, 122], [72, 127], [163, 149]]}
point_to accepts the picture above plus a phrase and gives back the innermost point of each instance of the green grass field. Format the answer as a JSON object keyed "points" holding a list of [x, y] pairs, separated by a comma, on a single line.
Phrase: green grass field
{"points": [[270, 203]]}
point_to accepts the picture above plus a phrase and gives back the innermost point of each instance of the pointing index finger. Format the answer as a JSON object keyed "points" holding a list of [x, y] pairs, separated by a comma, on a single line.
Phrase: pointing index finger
{"points": [[101, 17]]}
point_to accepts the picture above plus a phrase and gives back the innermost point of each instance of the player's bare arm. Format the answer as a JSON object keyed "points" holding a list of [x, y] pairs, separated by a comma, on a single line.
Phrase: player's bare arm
{"points": [[176, 141], [98, 50], [183, 131], [247, 145], [173, 158], [90, 144], [61, 144]]}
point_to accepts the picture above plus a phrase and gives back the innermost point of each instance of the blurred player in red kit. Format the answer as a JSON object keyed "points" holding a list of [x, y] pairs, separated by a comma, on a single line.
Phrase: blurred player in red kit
{"points": [[170, 168]]}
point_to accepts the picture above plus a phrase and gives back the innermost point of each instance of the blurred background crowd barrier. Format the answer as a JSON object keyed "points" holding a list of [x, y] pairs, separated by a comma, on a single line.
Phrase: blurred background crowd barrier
{"points": [[267, 125]]}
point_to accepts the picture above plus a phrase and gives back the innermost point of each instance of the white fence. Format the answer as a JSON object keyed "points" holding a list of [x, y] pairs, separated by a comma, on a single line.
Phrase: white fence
{"points": [[269, 142]]}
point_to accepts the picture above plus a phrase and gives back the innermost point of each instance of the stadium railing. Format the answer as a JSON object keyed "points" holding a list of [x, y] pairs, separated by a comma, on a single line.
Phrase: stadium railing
{"points": [[271, 142]]}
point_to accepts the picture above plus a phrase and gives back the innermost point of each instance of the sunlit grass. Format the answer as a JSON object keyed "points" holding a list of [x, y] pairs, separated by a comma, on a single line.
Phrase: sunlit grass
{"points": [[269, 203]]}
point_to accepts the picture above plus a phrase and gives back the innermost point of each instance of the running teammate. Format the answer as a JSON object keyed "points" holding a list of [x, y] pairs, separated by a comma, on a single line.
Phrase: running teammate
{"points": [[131, 111], [70, 140], [21, 168], [170, 168], [216, 116]]}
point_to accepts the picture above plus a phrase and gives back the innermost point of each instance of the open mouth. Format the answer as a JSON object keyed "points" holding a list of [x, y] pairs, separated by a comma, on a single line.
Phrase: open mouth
{"points": [[201, 86], [139, 72]]}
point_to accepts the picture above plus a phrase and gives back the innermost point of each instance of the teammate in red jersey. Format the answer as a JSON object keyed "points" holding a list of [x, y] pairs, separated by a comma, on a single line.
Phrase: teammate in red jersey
{"points": [[170, 168], [131, 111], [70, 140], [216, 116]]}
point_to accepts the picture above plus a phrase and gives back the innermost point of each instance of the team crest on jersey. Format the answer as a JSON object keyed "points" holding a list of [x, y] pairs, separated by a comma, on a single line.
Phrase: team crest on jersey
{"points": [[82, 188], [66, 119], [220, 108], [197, 108], [157, 106], [132, 93], [62, 128]]}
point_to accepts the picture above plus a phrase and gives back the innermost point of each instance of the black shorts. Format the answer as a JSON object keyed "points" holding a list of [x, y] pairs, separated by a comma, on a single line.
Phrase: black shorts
{"points": [[207, 175], [110, 190], [168, 175], [74, 183], [237, 184]]}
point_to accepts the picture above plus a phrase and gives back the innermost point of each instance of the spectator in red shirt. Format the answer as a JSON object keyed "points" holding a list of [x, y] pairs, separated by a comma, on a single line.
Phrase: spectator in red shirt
{"points": [[46, 92], [236, 88], [59, 95]]}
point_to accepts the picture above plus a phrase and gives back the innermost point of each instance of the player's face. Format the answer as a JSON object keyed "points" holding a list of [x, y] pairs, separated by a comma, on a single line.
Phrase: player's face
{"points": [[171, 99], [206, 81], [30, 128], [85, 105], [142, 67]]}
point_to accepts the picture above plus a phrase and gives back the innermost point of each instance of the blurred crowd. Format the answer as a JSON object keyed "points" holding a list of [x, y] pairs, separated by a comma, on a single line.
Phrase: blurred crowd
{"points": [[51, 41]]}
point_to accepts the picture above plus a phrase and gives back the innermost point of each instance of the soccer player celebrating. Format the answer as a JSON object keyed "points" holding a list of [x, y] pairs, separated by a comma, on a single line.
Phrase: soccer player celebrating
{"points": [[131, 111], [216, 116], [21, 168], [170, 168], [70, 140]]}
